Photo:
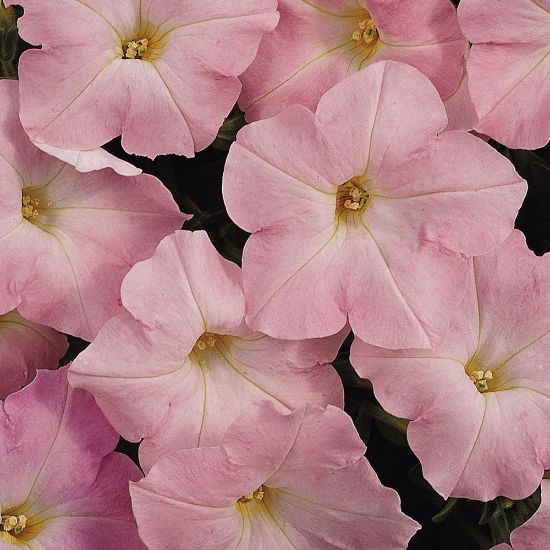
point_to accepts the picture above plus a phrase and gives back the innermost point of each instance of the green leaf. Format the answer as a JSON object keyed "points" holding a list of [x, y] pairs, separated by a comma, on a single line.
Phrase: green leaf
{"points": [[391, 427], [228, 132], [446, 510]]}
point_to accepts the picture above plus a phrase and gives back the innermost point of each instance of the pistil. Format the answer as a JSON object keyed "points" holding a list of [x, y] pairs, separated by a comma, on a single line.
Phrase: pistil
{"points": [[14, 524], [136, 49], [367, 32]]}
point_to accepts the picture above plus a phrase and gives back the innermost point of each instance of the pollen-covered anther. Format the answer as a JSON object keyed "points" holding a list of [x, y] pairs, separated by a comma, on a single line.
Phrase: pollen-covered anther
{"points": [[136, 49], [351, 196], [481, 379], [367, 32], [14, 524], [29, 207], [258, 494]]}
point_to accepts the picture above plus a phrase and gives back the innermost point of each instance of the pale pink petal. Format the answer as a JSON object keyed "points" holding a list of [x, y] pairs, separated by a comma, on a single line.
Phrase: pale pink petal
{"points": [[460, 109], [491, 442], [79, 91], [306, 266], [535, 532], [87, 161], [53, 441], [232, 494], [312, 49], [508, 68], [24, 348], [101, 517], [175, 394], [64, 268]]}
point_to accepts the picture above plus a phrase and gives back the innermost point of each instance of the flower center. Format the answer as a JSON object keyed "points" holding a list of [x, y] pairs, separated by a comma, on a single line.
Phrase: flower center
{"points": [[367, 32], [481, 379], [29, 206], [207, 342], [258, 494], [351, 197], [14, 525], [136, 49]]}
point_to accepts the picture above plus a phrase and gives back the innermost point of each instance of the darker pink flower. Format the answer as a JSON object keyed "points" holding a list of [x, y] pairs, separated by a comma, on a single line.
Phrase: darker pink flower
{"points": [[509, 68], [181, 365], [319, 42], [534, 533], [61, 486], [67, 239], [364, 211], [162, 74], [277, 481], [480, 401], [24, 348]]}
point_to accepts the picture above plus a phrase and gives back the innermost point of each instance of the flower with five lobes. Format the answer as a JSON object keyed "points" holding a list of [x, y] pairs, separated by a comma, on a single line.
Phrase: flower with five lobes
{"points": [[275, 481], [162, 74], [534, 534], [317, 43], [67, 239], [180, 365], [479, 403], [61, 486], [24, 348], [363, 211], [509, 68]]}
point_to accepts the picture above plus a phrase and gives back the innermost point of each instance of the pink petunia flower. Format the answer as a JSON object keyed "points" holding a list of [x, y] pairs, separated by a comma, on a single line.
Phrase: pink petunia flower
{"points": [[61, 485], [162, 74], [509, 68], [480, 401], [319, 42], [24, 348], [181, 365], [67, 239], [364, 211], [284, 481], [535, 532]]}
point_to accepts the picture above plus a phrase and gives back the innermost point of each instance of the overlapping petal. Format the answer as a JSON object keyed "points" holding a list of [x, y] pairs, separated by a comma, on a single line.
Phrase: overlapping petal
{"points": [[274, 482], [58, 470], [509, 68], [396, 266], [67, 239], [82, 88], [180, 365], [317, 44], [24, 348], [480, 401]]}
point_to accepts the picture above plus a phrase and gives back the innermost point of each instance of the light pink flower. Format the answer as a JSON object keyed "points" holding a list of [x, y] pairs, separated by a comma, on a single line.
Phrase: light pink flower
{"points": [[24, 348], [509, 68], [162, 74], [67, 239], [181, 365], [319, 42], [277, 481], [61, 485], [363, 211], [480, 401], [535, 532]]}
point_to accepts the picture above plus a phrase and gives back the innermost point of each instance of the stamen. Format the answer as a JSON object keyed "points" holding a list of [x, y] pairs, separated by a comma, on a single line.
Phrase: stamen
{"points": [[481, 379], [29, 207], [15, 524], [351, 196], [367, 32], [258, 494], [136, 49]]}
